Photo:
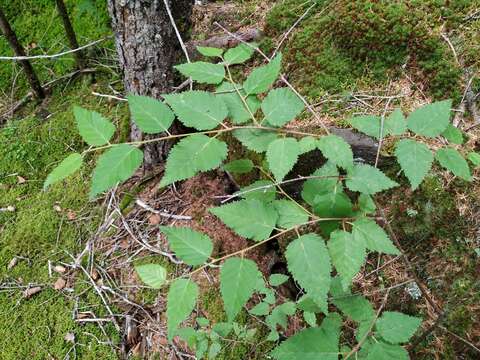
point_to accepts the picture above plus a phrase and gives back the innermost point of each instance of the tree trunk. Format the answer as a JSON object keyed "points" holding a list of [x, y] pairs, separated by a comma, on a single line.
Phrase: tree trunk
{"points": [[72, 39], [148, 48], [18, 50]]}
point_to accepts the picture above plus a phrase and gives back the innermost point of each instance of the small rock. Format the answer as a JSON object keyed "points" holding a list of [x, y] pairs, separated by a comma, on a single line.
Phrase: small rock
{"points": [[57, 208], [59, 269], [70, 337], [59, 284]]}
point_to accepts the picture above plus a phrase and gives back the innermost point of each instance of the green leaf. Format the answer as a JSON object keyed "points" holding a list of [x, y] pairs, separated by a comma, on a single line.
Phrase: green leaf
{"points": [[263, 77], [310, 318], [374, 237], [282, 154], [181, 300], [307, 143], [309, 263], [191, 246], [260, 309], [430, 120], [117, 164], [222, 328], [93, 127], [263, 190], [281, 106], [289, 214], [453, 134], [237, 284], [255, 140], [415, 159], [252, 219], [396, 327], [381, 351], [67, 167], [214, 350], [201, 321], [210, 51], [356, 307], [152, 275], [348, 255], [191, 155], [237, 111], [337, 150], [198, 109], [452, 160], [395, 124], [366, 204], [240, 166], [368, 180], [314, 187], [239, 54], [368, 124], [474, 158], [279, 315], [203, 72], [277, 279], [335, 204], [313, 343], [151, 115]]}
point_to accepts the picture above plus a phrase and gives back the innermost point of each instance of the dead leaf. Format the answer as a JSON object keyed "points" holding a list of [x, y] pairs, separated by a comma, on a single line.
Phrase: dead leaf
{"points": [[71, 215], [94, 274], [28, 293], [137, 350], [12, 263], [59, 284], [21, 180], [83, 315], [59, 269], [70, 337], [154, 219]]}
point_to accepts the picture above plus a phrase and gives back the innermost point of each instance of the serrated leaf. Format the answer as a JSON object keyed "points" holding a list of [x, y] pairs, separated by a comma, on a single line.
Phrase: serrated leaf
{"points": [[356, 307], [326, 182], [374, 237], [452, 160], [367, 124], [93, 127], [307, 143], [310, 318], [395, 123], [368, 180], [312, 343], [415, 159], [282, 154], [335, 204], [191, 246], [237, 284], [347, 254], [279, 315], [337, 150], [255, 140], [237, 110], [252, 219], [453, 135], [151, 115], [381, 351], [260, 309], [239, 54], [474, 158], [198, 109], [430, 120], [222, 328], [277, 279], [153, 275], [396, 327], [240, 166], [366, 204], [289, 214], [263, 77], [191, 155], [309, 263], [203, 72], [281, 106], [181, 300], [67, 167], [115, 165], [210, 51], [263, 190]]}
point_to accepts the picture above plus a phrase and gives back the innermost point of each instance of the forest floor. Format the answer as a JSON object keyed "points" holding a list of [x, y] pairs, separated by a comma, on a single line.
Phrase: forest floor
{"points": [[50, 311]]}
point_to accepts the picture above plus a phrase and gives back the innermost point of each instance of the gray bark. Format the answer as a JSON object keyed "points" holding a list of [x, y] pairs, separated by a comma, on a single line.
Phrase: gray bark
{"points": [[148, 48]]}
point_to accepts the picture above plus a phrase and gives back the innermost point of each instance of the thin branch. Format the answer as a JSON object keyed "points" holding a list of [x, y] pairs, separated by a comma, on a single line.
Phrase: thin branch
{"points": [[54, 55], [143, 205]]}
